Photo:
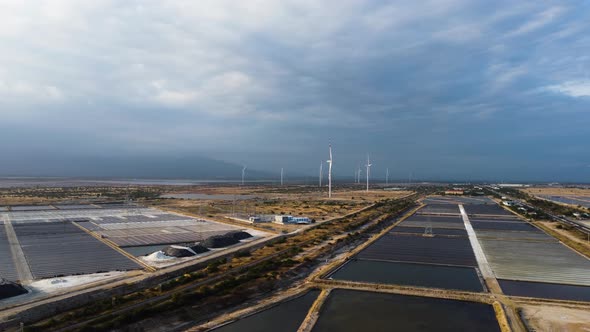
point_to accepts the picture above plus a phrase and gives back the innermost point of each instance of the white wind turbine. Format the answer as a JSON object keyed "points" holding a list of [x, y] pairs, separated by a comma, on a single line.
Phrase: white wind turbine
{"points": [[368, 171], [330, 173], [281, 176], [321, 172], [387, 176], [243, 173], [359, 171]]}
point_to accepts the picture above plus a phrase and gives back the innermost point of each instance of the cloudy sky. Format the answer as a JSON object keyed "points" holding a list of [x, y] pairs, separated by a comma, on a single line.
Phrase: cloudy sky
{"points": [[445, 89]]}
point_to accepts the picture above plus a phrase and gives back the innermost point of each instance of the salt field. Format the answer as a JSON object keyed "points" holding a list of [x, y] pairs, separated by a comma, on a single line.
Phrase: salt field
{"points": [[67, 239], [431, 249], [348, 310], [410, 274], [286, 316]]}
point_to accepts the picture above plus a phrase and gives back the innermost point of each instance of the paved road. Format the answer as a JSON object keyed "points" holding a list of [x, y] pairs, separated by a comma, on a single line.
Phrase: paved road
{"points": [[31, 303], [17, 308], [188, 287], [179, 290], [579, 226]]}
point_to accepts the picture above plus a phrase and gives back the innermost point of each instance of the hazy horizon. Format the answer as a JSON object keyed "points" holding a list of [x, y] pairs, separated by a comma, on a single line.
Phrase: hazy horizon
{"points": [[445, 90]]}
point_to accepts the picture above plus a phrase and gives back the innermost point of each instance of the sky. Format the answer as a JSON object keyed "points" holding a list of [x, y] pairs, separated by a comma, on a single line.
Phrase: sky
{"points": [[442, 90]]}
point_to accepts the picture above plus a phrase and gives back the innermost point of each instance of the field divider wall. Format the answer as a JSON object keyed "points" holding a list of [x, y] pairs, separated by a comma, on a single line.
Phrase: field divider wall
{"points": [[328, 269], [113, 246], [314, 312]]}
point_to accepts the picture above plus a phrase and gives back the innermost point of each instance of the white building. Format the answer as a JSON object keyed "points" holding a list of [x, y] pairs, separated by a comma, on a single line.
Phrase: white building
{"points": [[285, 219], [255, 219]]}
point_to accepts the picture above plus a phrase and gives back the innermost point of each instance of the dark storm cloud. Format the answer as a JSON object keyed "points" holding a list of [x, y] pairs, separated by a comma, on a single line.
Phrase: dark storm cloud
{"points": [[444, 89]]}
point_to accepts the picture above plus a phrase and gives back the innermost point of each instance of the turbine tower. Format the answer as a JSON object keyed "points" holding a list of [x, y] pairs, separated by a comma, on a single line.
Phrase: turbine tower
{"points": [[359, 174], [387, 176], [281, 176], [321, 172], [330, 173], [368, 171], [243, 173]]}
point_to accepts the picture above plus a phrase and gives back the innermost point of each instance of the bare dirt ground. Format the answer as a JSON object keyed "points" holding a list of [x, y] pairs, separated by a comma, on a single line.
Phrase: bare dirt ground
{"points": [[571, 237], [305, 201], [558, 191], [14, 200], [555, 318], [293, 192]]}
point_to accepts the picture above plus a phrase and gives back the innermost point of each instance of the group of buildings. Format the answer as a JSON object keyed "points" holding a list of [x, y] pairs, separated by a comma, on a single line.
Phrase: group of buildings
{"points": [[281, 219]]}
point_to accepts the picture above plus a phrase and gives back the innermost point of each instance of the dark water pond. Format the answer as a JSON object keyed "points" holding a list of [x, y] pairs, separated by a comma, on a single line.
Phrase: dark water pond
{"points": [[352, 311], [436, 276], [286, 317], [545, 290]]}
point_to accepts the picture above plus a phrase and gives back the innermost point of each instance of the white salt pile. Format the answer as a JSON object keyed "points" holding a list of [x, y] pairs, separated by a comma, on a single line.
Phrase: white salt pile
{"points": [[157, 256]]}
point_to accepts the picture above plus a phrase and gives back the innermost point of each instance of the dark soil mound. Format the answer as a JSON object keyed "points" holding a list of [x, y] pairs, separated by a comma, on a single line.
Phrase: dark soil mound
{"points": [[10, 289], [177, 251], [240, 235], [199, 249], [219, 241]]}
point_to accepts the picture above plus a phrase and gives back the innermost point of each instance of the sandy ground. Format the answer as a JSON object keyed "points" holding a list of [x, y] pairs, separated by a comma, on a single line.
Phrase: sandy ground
{"points": [[297, 193], [558, 191], [576, 240], [305, 201], [555, 318], [15, 200]]}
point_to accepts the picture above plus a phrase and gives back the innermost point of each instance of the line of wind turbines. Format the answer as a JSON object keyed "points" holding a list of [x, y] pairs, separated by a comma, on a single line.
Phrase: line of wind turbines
{"points": [[246, 167], [357, 172], [330, 162]]}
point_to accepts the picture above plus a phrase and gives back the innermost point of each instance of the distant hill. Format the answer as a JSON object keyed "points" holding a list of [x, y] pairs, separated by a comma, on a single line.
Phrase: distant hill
{"points": [[130, 167]]}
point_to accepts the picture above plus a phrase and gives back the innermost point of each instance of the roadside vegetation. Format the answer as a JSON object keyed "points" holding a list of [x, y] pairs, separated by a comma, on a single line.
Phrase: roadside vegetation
{"points": [[197, 295], [541, 204], [91, 194]]}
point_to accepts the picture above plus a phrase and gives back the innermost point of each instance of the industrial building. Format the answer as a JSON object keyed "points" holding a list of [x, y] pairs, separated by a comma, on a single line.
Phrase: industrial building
{"points": [[286, 219]]}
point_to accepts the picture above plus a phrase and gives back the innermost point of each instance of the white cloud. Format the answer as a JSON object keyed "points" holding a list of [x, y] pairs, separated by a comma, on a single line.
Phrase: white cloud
{"points": [[460, 33], [539, 21], [135, 66], [580, 88], [502, 75], [29, 92]]}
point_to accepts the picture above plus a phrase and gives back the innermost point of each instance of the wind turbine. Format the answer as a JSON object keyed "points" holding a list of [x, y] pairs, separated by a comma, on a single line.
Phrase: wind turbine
{"points": [[368, 171], [387, 176], [281, 176], [359, 174], [329, 161], [243, 173], [321, 172]]}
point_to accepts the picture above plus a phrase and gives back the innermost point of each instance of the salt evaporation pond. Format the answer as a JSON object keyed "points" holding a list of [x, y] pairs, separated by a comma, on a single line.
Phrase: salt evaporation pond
{"points": [[352, 311], [410, 274], [285, 317]]}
